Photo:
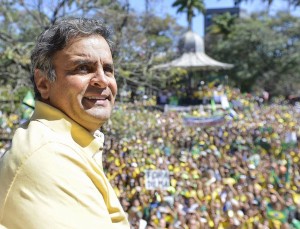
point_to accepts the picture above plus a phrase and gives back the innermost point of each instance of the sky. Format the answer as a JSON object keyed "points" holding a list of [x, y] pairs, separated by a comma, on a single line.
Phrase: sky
{"points": [[163, 7]]}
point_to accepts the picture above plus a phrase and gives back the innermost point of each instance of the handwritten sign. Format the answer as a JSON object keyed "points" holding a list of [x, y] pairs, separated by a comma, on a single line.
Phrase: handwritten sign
{"points": [[157, 179]]}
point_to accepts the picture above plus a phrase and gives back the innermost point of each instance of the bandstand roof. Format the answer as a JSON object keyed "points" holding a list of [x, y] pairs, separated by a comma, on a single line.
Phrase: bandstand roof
{"points": [[192, 55]]}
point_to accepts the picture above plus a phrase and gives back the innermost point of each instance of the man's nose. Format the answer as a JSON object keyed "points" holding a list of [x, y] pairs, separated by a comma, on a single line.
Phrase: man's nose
{"points": [[100, 79]]}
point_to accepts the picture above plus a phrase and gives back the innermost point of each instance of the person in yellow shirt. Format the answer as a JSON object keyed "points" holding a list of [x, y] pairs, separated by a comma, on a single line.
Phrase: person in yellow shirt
{"points": [[52, 177]]}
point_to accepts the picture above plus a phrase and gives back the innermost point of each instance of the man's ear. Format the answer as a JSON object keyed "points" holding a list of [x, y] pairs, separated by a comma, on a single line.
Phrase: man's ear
{"points": [[42, 83]]}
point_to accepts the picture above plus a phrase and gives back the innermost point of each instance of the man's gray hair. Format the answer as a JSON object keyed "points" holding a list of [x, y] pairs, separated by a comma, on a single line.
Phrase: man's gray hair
{"points": [[56, 37]]}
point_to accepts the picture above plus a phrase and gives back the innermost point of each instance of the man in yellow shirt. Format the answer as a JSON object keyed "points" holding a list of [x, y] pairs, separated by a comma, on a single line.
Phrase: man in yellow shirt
{"points": [[52, 177]]}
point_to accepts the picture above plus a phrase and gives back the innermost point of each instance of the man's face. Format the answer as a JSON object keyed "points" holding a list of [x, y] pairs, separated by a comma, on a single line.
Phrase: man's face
{"points": [[85, 87]]}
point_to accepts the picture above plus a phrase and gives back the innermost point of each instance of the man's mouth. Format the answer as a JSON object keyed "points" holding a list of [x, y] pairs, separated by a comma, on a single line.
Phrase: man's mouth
{"points": [[96, 98], [101, 101]]}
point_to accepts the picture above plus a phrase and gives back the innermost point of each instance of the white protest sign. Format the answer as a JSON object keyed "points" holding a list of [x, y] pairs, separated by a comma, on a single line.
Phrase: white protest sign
{"points": [[157, 179], [224, 102]]}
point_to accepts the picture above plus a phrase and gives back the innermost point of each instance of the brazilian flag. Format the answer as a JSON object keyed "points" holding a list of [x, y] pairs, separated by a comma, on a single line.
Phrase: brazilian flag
{"points": [[29, 100], [213, 105], [28, 104], [273, 214]]}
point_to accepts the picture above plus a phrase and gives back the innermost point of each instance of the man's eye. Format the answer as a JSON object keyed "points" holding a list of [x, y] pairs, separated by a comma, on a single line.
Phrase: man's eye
{"points": [[108, 70], [82, 69]]}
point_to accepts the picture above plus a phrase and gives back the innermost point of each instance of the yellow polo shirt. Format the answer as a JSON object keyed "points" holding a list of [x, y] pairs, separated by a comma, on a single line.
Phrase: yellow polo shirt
{"points": [[52, 177]]}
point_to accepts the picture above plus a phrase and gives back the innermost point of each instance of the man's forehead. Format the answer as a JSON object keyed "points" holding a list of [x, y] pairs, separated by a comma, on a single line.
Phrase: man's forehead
{"points": [[94, 37], [86, 46]]}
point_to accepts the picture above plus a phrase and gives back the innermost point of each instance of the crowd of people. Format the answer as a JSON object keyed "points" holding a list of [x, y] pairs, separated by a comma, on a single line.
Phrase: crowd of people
{"points": [[242, 173]]}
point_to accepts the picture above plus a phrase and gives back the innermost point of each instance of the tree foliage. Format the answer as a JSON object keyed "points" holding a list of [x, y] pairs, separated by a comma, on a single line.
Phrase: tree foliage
{"points": [[265, 52], [190, 7], [222, 24], [291, 3]]}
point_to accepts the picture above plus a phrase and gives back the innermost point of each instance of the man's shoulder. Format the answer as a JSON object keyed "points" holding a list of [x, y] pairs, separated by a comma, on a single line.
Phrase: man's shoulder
{"points": [[29, 138], [33, 144], [32, 135]]}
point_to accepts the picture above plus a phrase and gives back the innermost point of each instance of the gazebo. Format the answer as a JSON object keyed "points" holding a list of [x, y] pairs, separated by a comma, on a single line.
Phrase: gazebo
{"points": [[193, 59], [192, 56]]}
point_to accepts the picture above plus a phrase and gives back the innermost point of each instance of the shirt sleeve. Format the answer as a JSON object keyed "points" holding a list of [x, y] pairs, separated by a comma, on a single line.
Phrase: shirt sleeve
{"points": [[54, 188]]}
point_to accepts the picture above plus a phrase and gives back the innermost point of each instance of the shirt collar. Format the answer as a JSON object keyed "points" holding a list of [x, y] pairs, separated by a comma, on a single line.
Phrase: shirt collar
{"points": [[57, 121]]}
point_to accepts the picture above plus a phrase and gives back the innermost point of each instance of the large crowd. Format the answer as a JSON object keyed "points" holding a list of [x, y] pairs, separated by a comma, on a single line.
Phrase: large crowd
{"points": [[241, 173]]}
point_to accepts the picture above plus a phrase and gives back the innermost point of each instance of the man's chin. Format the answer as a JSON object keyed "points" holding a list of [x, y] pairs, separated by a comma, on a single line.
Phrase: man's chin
{"points": [[102, 116]]}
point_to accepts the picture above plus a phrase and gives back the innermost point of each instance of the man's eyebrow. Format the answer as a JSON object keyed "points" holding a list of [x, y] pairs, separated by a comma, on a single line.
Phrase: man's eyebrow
{"points": [[90, 62], [109, 65], [81, 62]]}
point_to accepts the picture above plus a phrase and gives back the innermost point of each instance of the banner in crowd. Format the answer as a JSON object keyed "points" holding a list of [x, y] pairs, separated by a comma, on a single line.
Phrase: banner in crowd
{"points": [[203, 121], [176, 108], [157, 179]]}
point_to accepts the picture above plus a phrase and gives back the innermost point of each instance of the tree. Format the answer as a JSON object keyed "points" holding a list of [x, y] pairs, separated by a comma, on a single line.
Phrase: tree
{"points": [[222, 24], [291, 3], [189, 7], [295, 3], [238, 2], [265, 52]]}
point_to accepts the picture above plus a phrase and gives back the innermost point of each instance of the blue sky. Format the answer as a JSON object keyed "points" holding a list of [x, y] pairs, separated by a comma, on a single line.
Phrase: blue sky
{"points": [[164, 7]]}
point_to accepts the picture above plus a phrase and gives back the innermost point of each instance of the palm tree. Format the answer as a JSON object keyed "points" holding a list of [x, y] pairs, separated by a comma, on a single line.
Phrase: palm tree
{"points": [[269, 2], [294, 3], [189, 7], [222, 24]]}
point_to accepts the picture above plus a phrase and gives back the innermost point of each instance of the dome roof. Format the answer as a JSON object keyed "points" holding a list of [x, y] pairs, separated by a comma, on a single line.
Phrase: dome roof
{"points": [[190, 42]]}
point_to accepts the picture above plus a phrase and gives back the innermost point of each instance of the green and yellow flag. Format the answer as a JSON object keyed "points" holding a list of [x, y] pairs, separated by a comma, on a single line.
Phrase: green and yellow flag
{"points": [[29, 100], [28, 104], [213, 105], [273, 214]]}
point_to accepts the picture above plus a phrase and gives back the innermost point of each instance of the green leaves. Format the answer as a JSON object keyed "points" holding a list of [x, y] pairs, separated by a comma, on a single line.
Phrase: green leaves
{"points": [[189, 7], [264, 50], [222, 24]]}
